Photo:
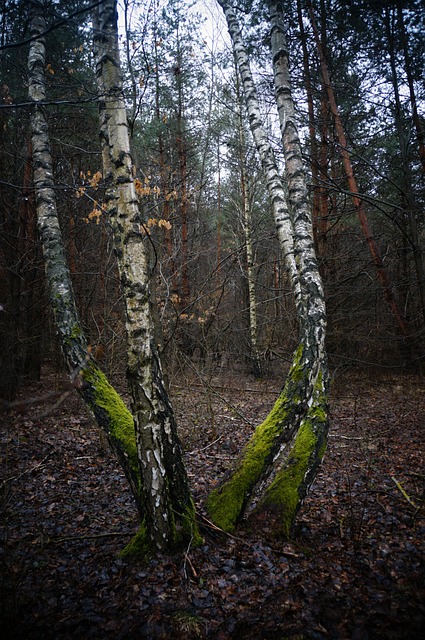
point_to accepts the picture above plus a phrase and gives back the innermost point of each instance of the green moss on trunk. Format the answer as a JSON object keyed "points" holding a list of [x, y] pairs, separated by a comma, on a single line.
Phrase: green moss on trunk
{"points": [[226, 503], [140, 546], [117, 419], [284, 497], [112, 414]]}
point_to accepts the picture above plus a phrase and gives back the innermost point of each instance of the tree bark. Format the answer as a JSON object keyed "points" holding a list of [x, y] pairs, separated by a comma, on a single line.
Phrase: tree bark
{"points": [[247, 231], [352, 182], [271, 478], [106, 405], [275, 186], [169, 510]]}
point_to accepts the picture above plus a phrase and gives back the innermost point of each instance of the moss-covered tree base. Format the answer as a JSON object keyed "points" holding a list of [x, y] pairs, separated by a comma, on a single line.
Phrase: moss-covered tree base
{"points": [[142, 548], [225, 504], [139, 548], [284, 453], [282, 500]]}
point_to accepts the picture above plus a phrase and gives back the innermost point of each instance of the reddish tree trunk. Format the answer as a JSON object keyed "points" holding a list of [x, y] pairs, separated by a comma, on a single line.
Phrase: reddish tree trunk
{"points": [[352, 183]]}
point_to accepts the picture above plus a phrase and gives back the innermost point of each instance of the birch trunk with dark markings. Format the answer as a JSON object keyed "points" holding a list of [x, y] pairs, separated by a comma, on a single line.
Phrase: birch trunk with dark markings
{"points": [[152, 458], [246, 222], [277, 467], [169, 510], [106, 405]]}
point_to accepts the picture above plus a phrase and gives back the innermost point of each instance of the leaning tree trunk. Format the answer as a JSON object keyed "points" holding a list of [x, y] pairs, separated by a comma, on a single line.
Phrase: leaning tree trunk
{"points": [[301, 463], [273, 475], [169, 510], [352, 182], [106, 405]]}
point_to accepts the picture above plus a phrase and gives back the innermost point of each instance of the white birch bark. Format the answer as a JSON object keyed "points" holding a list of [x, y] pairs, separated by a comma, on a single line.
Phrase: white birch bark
{"points": [[250, 271], [58, 277], [279, 463], [275, 185], [167, 498], [249, 250], [314, 329], [101, 398]]}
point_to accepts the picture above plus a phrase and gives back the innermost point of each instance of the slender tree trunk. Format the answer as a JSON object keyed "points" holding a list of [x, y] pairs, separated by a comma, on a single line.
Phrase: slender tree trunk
{"points": [[300, 464], [250, 273], [32, 298], [249, 249], [183, 192], [169, 511], [106, 405], [273, 475], [218, 210], [165, 170], [316, 210], [412, 209], [419, 126], [282, 217], [352, 183]]}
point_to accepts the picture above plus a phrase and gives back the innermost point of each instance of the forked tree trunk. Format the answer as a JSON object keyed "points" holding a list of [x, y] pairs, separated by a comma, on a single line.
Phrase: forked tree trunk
{"points": [[169, 510], [106, 405], [273, 475]]}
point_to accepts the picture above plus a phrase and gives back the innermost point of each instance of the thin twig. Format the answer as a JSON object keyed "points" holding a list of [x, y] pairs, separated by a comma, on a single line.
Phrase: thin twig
{"points": [[403, 492], [91, 536], [188, 561], [27, 471], [207, 523], [191, 453], [365, 437]]}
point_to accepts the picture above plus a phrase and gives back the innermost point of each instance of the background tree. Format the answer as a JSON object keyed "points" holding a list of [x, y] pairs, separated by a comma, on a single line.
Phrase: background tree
{"points": [[21, 291]]}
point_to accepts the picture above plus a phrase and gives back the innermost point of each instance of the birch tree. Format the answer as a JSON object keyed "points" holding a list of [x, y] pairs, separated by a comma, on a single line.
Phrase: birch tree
{"points": [[107, 407], [151, 456], [278, 465], [246, 221], [274, 472], [169, 511]]}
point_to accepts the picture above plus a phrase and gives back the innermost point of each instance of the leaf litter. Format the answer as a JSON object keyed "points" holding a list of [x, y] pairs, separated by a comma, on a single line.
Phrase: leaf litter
{"points": [[354, 568]]}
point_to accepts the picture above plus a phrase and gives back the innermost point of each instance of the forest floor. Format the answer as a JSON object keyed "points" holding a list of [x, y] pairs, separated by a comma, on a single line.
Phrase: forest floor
{"points": [[353, 570]]}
